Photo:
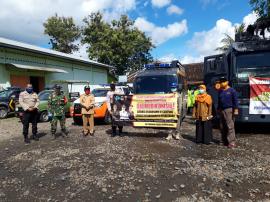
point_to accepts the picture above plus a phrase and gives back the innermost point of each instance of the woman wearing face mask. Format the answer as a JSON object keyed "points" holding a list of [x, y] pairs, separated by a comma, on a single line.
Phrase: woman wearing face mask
{"points": [[202, 112]]}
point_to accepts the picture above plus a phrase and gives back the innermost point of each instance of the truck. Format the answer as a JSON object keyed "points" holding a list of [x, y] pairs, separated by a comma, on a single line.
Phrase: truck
{"points": [[245, 59], [158, 101]]}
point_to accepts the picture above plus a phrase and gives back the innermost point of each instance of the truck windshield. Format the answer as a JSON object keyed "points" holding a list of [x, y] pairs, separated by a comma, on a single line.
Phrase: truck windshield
{"points": [[159, 84], [257, 65]]}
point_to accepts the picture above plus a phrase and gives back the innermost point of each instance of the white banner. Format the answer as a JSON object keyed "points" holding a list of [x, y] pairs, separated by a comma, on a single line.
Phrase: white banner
{"points": [[259, 95]]}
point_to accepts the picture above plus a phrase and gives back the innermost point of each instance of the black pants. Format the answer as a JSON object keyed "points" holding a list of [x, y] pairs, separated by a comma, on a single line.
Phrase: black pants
{"points": [[203, 132], [30, 117]]}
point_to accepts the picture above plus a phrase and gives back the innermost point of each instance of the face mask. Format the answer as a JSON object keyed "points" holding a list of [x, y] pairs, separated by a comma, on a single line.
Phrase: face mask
{"points": [[224, 84], [87, 92], [201, 91], [217, 86], [29, 90]]}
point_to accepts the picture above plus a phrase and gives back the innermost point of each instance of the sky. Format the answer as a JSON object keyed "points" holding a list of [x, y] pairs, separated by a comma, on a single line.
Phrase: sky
{"points": [[187, 30]]}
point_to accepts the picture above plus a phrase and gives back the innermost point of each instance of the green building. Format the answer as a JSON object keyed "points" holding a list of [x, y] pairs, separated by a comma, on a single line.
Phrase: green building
{"points": [[22, 63]]}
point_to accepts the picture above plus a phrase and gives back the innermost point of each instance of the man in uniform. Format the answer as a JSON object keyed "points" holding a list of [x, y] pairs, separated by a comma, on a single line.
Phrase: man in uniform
{"points": [[87, 101], [109, 101], [57, 102], [29, 101]]}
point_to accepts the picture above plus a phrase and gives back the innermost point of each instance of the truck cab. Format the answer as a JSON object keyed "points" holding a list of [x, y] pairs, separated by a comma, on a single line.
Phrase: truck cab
{"points": [[244, 59], [159, 99]]}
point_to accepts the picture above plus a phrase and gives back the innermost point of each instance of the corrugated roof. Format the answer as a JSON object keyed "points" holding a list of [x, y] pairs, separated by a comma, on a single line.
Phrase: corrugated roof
{"points": [[23, 46], [194, 72]]}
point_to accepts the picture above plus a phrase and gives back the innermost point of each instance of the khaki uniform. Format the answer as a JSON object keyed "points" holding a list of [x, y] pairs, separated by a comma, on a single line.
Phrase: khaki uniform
{"points": [[87, 101], [27, 101]]}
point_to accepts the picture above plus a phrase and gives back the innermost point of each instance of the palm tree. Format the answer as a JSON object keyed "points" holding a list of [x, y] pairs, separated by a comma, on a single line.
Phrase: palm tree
{"points": [[227, 41]]}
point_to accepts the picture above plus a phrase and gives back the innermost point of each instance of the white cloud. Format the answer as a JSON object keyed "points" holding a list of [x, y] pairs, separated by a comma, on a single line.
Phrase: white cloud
{"points": [[205, 42], [23, 20], [188, 59], [173, 9], [160, 3], [160, 35], [168, 58], [250, 19], [207, 2]]}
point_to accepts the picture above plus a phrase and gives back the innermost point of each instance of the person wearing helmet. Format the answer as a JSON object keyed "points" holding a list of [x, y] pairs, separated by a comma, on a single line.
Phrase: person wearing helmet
{"points": [[57, 102], [87, 101], [109, 100]]}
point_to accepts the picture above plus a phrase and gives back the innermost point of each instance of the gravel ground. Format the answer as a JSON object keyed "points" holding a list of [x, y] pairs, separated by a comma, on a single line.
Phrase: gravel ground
{"points": [[141, 166]]}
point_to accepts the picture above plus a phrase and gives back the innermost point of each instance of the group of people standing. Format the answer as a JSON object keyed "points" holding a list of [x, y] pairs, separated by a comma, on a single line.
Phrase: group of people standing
{"points": [[227, 110], [29, 102], [202, 111]]}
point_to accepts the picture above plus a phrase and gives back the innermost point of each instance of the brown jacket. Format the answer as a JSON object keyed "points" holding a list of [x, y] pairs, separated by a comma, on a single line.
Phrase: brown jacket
{"points": [[87, 101], [201, 111], [27, 100]]}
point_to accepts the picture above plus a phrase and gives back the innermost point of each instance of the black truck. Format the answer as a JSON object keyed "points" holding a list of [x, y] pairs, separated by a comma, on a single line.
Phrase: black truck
{"points": [[246, 57], [8, 98]]}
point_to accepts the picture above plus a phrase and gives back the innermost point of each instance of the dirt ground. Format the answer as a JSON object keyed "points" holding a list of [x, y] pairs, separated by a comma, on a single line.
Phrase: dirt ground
{"points": [[141, 166]]}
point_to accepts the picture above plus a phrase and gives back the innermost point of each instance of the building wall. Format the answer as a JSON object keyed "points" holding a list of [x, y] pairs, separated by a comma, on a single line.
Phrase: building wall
{"points": [[76, 70]]}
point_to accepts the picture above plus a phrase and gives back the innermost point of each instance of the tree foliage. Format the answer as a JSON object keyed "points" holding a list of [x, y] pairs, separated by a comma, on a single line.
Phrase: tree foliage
{"points": [[118, 43], [261, 7], [227, 41], [63, 33]]}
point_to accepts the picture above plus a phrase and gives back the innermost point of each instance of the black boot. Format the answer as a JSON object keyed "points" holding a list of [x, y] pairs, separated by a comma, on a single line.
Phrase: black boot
{"points": [[121, 131], [35, 137], [26, 139], [53, 135], [65, 131], [113, 131]]}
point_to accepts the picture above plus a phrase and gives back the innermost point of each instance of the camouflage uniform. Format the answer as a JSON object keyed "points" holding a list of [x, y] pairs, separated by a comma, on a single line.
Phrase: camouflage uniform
{"points": [[56, 108]]}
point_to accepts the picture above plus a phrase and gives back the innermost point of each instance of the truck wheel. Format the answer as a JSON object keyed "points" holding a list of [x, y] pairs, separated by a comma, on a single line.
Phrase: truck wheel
{"points": [[3, 112], [107, 118], [44, 116]]}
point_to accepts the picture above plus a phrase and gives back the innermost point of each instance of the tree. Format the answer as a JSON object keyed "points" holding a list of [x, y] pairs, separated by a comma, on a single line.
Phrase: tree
{"points": [[227, 41], [63, 33], [261, 7], [118, 43]]}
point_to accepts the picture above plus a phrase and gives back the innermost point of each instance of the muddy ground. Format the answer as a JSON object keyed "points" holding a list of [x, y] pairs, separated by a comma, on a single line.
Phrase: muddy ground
{"points": [[141, 166]]}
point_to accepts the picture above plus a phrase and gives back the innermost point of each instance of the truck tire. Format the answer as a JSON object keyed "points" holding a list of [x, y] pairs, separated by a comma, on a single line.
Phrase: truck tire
{"points": [[108, 118], [3, 112], [44, 116]]}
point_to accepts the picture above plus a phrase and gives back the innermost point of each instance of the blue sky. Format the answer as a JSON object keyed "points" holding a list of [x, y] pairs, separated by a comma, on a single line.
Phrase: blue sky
{"points": [[181, 29]]}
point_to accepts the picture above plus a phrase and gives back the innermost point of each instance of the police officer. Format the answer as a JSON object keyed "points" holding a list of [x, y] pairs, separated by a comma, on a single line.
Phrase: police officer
{"points": [[109, 100], [29, 101], [57, 103], [87, 101]]}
